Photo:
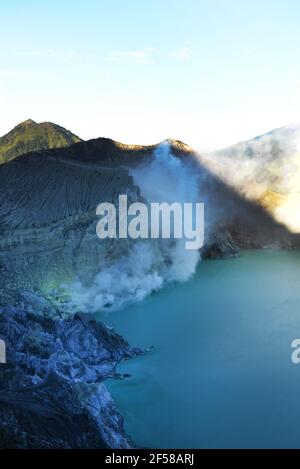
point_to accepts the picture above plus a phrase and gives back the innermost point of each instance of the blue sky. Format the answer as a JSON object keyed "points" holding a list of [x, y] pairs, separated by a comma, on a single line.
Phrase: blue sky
{"points": [[208, 72]]}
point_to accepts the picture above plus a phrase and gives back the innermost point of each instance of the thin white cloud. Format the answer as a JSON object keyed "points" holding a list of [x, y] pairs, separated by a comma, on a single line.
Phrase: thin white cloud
{"points": [[181, 53], [137, 57]]}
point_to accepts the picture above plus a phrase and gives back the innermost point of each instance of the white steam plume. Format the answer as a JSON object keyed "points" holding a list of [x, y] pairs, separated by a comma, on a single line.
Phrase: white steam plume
{"points": [[168, 179], [150, 263], [265, 169]]}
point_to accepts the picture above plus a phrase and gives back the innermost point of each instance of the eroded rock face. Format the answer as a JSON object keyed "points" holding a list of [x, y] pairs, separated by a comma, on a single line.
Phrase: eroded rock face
{"points": [[48, 217], [51, 388]]}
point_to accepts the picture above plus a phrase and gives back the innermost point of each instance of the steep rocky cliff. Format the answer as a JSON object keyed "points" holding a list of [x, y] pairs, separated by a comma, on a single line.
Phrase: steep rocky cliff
{"points": [[48, 217], [51, 388]]}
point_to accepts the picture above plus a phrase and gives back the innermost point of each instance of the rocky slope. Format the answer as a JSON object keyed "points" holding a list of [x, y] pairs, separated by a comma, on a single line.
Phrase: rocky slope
{"points": [[48, 206], [30, 136], [51, 389]]}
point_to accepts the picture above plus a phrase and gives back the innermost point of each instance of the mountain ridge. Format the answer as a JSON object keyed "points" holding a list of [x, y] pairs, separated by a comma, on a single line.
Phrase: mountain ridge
{"points": [[30, 136], [265, 169]]}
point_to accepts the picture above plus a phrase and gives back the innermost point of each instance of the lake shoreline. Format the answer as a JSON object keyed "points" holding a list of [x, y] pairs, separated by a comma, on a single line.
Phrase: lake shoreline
{"points": [[149, 374]]}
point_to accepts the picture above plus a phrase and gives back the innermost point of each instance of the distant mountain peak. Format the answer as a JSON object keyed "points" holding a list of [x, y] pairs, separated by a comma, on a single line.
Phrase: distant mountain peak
{"points": [[31, 136], [27, 122], [179, 145]]}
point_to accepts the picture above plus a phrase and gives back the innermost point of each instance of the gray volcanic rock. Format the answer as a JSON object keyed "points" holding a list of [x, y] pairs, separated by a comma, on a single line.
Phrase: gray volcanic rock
{"points": [[48, 206], [48, 217], [220, 246], [51, 389]]}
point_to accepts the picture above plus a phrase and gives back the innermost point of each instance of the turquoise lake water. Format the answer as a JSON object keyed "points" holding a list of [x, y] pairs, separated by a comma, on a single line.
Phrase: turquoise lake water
{"points": [[220, 374]]}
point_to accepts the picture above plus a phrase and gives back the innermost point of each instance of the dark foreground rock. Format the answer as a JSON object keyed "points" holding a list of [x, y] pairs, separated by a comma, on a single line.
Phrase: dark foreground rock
{"points": [[51, 388]]}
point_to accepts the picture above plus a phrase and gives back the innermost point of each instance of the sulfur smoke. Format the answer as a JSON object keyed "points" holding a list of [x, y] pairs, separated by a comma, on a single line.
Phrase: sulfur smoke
{"points": [[265, 169], [150, 264]]}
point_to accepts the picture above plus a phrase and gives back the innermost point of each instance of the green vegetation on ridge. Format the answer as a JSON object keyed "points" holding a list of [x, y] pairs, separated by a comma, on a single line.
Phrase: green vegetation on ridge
{"points": [[31, 136]]}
